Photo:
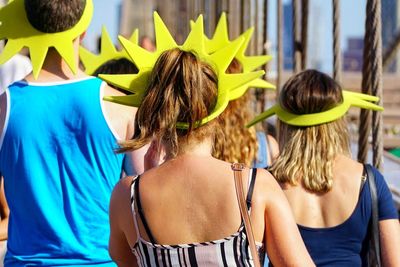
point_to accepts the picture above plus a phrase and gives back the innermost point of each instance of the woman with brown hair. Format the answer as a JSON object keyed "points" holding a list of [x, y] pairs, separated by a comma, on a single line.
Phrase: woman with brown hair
{"points": [[238, 143], [324, 186], [185, 211]]}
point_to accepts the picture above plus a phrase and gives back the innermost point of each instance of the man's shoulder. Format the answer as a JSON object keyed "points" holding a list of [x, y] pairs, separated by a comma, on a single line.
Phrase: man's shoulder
{"points": [[3, 112]]}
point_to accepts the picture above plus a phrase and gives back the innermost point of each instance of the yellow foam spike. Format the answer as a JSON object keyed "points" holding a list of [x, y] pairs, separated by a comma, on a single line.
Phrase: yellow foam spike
{"points": [[164, 39], [221, 39], [10, 50], [108, 52], [37, 57]]}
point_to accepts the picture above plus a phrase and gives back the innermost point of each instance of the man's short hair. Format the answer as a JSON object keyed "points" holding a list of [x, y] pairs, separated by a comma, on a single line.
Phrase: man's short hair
{"points": [[51, 16]]}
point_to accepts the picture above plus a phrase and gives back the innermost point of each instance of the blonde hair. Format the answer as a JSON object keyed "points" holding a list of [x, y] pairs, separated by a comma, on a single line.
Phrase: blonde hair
{"points": [[181, 89], [237, 143], [308, 153]]}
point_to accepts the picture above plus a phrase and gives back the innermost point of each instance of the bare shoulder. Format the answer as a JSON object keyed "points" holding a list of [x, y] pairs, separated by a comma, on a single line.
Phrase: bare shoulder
{"points": [[268, 186], [122, 189], [347, 170]]}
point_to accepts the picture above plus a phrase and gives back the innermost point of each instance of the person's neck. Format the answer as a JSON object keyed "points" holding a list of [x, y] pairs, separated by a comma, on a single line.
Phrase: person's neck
{"points": [[202, 149], [56, 69]]}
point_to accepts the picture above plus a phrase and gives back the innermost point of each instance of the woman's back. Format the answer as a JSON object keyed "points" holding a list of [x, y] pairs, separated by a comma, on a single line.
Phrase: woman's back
{"points": [[334, 225], [196, 197], [191, 211], [321, 210]]}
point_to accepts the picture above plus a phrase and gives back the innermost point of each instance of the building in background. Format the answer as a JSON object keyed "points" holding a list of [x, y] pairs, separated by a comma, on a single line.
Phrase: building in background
{"points": [[353, 54], [288, 37], [390, 26], [175, 14]]}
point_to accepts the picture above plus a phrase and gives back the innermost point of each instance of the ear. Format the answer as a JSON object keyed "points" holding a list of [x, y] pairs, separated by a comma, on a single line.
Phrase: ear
{"points": [[82, 36]]}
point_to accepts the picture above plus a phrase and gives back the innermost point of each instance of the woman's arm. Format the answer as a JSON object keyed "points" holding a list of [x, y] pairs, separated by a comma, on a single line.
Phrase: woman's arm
{"points": [[120, 224], [284, 244], [389, 231]]}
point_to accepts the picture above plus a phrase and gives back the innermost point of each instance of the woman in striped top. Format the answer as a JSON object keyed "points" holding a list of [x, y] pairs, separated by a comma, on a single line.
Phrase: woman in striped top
{"points": [[185, 211]]}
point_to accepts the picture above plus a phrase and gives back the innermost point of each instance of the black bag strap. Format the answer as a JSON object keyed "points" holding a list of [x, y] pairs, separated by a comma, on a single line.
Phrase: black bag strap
{"points": [[251, 188], [374, 242]]}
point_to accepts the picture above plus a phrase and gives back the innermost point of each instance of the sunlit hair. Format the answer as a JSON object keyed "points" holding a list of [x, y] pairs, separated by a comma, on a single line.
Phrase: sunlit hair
{"points": [[308, 153], [53, 16], [238, 143], [182, 88]]}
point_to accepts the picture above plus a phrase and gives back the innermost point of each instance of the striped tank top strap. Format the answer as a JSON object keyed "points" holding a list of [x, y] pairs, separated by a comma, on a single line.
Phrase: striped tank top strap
{"points": [[140, 211], [252, 180], [133, 206]]}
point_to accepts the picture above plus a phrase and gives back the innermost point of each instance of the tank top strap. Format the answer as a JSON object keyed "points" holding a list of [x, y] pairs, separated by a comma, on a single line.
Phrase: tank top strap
{"points": [[136, 199], [133, 206], [252, 180]]}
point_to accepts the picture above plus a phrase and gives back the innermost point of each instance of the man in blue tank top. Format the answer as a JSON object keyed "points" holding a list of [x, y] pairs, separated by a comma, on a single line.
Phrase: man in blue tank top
{"points": [[57, 142]]}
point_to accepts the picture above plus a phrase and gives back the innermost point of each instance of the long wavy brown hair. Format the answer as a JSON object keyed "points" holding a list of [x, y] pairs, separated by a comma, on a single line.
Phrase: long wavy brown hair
{"points": [[181, 89], [308, 153], [238, 143]]}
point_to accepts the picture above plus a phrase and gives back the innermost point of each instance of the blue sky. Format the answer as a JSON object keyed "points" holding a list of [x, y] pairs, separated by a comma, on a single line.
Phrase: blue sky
{"points": [[352, 24]]}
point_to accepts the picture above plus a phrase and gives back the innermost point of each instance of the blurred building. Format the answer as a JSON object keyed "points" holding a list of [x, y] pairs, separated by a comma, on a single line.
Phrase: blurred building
{"points": [[353, 55], [288, 37], [390, 26], [175, 14]]}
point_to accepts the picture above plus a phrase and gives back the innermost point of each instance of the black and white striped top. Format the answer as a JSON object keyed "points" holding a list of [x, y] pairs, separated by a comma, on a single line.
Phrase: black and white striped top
{"points": [[233, 250]]}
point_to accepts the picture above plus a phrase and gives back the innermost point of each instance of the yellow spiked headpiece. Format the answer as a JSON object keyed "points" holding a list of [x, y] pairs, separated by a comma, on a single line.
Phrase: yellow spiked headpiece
{"points": [[195, 42], [108, 52], [220, 39], [349, 99], [20, 33]]}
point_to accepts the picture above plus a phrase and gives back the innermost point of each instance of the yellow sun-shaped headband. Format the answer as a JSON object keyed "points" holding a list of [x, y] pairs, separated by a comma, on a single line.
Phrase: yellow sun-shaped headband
{"points": [[249, 63], [15, 27], [195, 43], [349, 99], [92, 62]]}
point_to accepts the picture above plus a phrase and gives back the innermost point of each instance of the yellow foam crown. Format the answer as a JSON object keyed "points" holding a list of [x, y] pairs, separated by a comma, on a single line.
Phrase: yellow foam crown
{"points": [[108, 52], [349, 99], [221, 39], [15, 27], [219, 60]]}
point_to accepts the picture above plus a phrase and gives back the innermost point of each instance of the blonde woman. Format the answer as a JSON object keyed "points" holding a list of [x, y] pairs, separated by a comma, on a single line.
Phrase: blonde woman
{"points": [[330, 203]]}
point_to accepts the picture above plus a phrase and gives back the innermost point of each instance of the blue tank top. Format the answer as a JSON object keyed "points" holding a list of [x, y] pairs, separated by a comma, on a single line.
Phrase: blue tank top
{"points": [[262, 154], [346, 244], [59, 169]]}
